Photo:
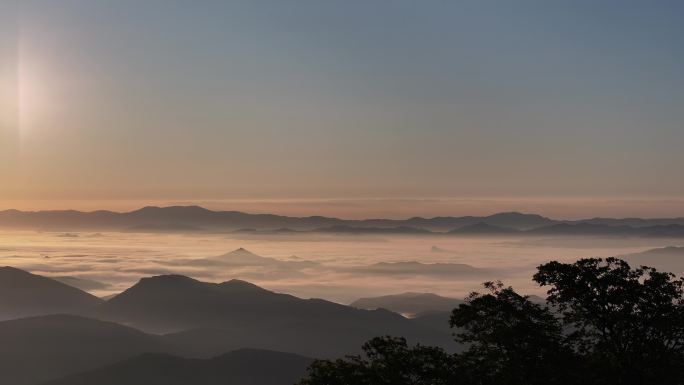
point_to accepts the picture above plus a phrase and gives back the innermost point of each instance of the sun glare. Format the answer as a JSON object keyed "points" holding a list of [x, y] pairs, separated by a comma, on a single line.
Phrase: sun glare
{"points": [[31, 90]]}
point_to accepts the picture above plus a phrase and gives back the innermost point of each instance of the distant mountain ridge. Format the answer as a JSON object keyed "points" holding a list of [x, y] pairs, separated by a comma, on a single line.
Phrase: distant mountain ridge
{"points": [[670, 258], [483, 228], [196, 218], [409, 303]]}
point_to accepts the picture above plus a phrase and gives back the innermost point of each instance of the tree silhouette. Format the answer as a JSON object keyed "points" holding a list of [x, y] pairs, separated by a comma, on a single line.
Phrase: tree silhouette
{"points": [[387, 361], [604, 323], [511, 340], [628, 322]]}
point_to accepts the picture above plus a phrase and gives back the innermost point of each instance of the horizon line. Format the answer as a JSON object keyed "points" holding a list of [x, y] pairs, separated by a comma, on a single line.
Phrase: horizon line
{"points": [[197, 206]]}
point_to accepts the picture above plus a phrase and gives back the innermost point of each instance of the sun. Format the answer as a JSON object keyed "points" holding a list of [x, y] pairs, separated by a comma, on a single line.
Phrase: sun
{"points": [[32, 97]]}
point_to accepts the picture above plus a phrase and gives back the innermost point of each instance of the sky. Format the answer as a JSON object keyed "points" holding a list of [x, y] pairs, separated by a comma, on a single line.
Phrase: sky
{"points": [[347, 108]]}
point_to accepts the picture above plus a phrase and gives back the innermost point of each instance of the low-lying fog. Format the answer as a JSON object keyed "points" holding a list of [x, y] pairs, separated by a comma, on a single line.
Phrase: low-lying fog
{"points": [[340, 268]]}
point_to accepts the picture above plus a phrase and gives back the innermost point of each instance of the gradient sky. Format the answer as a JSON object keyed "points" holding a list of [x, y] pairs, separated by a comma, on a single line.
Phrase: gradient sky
{"points": [[309, 100]]}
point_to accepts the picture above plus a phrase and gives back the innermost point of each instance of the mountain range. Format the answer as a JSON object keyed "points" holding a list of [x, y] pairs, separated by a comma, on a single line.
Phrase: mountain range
{"points": [[239, 367], [408, 303], [174, 315], [670, 258], [195, 218], [222, 316], [169, 328], [37, 349]]}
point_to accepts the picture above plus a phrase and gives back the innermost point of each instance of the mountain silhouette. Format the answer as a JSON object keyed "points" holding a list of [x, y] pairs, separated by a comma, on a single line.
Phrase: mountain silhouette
{"points": [[483, 228], [436, 320], [244, 257], [217, 317], [344, 229], [634, 222], [408, 303], [41, 348], [175, 218], [670, 258], [240, 367], [164, 228], [410, 268], [195, 218], [23, 294], [81, 283], [584, 229]]}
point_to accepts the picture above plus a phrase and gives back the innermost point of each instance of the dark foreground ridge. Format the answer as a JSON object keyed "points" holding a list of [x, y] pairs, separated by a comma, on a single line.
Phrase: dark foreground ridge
{"points": [[240, 367], [180, 316]]}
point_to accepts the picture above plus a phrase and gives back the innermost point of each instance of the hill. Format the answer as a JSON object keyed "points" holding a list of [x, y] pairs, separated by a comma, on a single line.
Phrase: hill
{"points": [[217, 317], [670, 259], [409, 303], [38, 349], [240, 367], [195, 218], [483, 229], [243, 257], [590, 229], [81, 283], [412, 268], [23, 294], [343, 229]]}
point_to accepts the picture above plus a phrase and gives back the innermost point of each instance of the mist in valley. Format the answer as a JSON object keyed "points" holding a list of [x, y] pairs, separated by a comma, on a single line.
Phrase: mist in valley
{"points": [[337, 267]]}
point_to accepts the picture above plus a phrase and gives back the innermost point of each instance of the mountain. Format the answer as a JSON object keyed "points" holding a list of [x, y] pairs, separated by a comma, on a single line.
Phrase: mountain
{"points": [[584, 229], [42, 348], [436, 320], [482, 228], [408, 303], [195, 218], [670, 259], [217, 317], [671, 230], [23, 294], [240, 367], [517, 221], [81, 283], [634, 222], [344, 229], [513, 220], [247, 265], [410, 268], [156, 218], [439, 319], [243, 257], [164, 228]]}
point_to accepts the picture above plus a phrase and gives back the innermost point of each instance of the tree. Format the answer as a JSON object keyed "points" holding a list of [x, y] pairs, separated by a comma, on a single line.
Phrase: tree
{"points": [[510, 339], [387, 361], [608, 324], [628, 322]]}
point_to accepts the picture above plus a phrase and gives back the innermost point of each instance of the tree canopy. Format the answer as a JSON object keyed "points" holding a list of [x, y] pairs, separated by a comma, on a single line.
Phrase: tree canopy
{"points": [[604, 322]]}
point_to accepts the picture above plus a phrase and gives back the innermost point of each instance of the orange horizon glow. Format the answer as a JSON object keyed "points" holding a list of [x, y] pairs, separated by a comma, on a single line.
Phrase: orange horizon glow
{"points": [[92, 119]]}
